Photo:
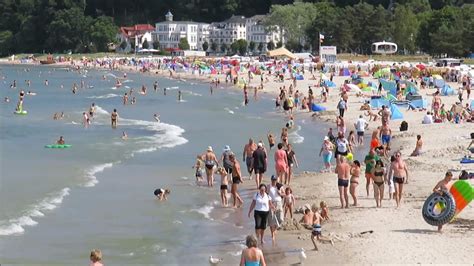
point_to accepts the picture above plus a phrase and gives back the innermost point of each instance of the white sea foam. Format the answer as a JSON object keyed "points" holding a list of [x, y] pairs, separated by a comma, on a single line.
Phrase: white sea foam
{"points": [[229, 111], [193, 93], [106, 96], [206, 210], [294, 137], [127, 80], [17, 226], [90, 174]]}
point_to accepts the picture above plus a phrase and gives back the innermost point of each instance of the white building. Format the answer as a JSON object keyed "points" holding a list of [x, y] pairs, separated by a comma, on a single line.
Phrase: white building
{"points": [[133, 37], [238, 27], [168, 33]]}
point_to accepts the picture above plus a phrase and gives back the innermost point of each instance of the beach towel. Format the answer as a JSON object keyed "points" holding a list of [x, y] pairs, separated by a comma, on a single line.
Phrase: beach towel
{"points": [[317, 108]]}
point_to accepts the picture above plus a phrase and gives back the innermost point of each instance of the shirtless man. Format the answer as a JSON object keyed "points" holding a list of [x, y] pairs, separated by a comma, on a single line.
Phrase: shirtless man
{"points": [[385, 114], [400, 176], [247, 156], [385, 136], [443, 186], [125, 99], [343, 173], [113, 118], [155, 86], [436, 104], [61, 141]]}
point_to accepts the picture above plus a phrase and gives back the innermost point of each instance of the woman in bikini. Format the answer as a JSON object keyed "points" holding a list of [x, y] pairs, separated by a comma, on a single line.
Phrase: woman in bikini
{"points": [[378, 173], [436, 104], [210, 161], [355, 173]]}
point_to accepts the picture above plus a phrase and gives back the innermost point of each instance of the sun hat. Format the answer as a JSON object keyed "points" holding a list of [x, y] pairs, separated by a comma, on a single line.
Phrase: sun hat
{"points": [[226, 148], [326, 138], [260, 144], [209, 148]]}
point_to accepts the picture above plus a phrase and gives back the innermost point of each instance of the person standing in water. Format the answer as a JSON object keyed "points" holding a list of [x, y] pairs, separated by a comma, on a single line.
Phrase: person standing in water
{"points": [[113, 118], [92, 110], [155, 86], [259, 163], [236, 180], [210, 161], [179, 96], [248, 156]]}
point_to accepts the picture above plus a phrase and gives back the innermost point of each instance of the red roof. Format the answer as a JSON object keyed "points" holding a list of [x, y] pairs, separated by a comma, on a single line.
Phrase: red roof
{"points": [[136, 30]]}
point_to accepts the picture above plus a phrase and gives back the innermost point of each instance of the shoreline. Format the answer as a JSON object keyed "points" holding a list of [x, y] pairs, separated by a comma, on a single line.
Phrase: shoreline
{"points": [[396, 232]]}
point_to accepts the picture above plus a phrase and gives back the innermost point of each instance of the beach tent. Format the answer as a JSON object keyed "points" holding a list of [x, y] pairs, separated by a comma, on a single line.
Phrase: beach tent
{"points": [[396, 114], [329, 83], [317, 108], [378, 102], [438, 81], [344, 72], [472, 104], [447, 90], [389, 86], [417, 104], [280, 52], [299, 77], [383, 72]]}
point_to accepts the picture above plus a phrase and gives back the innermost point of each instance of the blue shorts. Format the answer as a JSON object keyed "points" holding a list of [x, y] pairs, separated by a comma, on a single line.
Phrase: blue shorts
{"points": [[385, 139], [327, 157]]}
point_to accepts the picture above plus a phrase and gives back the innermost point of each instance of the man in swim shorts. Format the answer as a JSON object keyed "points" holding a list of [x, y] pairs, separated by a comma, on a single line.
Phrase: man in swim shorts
{"points": [[400, 176], [259, 163], [248, 156], [386, 135]]}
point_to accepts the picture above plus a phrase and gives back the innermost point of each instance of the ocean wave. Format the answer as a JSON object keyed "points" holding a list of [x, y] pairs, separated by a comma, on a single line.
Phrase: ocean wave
{"points": [[106, 96], [294, 137], [193, 93], [229, 111], [90, 174], [206, 210], [17, 225]]}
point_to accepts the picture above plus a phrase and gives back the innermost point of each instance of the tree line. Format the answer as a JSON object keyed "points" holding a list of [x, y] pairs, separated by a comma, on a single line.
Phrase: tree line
{"points": [[435, 26]]}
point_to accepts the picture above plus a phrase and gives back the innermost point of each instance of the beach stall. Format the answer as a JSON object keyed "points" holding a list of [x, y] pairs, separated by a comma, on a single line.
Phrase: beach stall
{"points": [[281, 52]]}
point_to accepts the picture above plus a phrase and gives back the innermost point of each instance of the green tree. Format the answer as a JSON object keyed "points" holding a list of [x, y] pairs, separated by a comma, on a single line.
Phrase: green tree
{"points": [[242, 46], [260, 47], [224, 47], [102, 32], [6, 42], [145, 44], [252, 46], [270, 45], [405, 28], [205, 46], [68, 31], [123, 45], [183, 44], [156, 45]]}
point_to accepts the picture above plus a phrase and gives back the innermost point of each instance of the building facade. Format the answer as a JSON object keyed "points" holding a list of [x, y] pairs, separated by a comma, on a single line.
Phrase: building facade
{"points": [[252, 29], [168, 33], [134, 37]]}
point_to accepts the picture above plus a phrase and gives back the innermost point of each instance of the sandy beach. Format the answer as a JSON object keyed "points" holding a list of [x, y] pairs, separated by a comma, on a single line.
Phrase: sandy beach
{"points": [[397, 236]]}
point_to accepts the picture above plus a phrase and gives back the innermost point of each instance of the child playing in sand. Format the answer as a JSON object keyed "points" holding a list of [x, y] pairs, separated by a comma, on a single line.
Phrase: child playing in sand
{"points": [[443, 186], [96, 258], [198, 166], [162, 194], [324, 210], [307, 219], [289, 202], [316, 232], [224, 182]]}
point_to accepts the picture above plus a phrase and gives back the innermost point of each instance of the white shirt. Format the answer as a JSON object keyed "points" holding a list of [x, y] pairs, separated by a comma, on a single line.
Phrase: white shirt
{"points": [[428, 119], [342, 145], [273, 193], [261, 203], [360, 125]]}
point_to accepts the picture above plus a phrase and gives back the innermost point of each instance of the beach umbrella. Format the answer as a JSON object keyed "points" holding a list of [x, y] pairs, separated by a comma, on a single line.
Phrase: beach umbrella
{"points": [[421, 66]]}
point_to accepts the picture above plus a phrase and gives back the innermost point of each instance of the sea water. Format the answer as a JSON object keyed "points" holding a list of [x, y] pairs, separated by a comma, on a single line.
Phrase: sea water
{"points": [[58, 204]]}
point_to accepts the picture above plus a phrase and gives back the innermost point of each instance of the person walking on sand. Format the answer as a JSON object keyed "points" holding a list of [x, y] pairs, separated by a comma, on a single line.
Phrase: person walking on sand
{"points": [[385, 136], [252, 255], [370, 160], [443, 186], [326, 150], [378, 174], [355, 173], [236, 180], [275, 191], [259, 163], [261, 204], [114, 118], [281, 163], [249, 148], [361, 125], [385, 114], [343, 173], [210, 161], [400, 176]]}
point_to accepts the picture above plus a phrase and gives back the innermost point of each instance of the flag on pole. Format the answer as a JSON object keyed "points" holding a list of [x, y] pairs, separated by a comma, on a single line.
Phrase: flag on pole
{"points": [[321, 37]]}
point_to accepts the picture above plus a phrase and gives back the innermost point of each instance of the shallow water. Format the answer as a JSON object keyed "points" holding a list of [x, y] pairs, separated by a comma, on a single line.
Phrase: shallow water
{"points": [[58, 204]]}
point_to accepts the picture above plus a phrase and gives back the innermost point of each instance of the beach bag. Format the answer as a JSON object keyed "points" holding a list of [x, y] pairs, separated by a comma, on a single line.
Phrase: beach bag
{"points": [[404, 126]]}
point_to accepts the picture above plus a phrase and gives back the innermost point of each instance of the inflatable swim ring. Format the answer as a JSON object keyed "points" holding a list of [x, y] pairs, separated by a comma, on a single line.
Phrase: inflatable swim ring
{"points": [[439, 209], [58, 146], [22, 112]]}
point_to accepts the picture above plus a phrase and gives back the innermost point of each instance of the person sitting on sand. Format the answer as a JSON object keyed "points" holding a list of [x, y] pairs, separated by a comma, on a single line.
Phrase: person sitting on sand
{"points": [[96, 258], [419, 145], [61, 141], [307, 219], [162, 194], [324, 210], [443, 186]]}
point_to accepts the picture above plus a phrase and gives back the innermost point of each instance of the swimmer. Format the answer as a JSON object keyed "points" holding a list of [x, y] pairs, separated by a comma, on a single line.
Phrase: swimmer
{"points": [[125, 99], [96, 258], [161, 194], [46, 82], [157, 117], [180, 98], [113, 118], [92, 110], [85, 119], [155, 86], [124, 135], [134, 100], [143, 90], [31, 93], [55, 116], [61, 141], [7, 100]]}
